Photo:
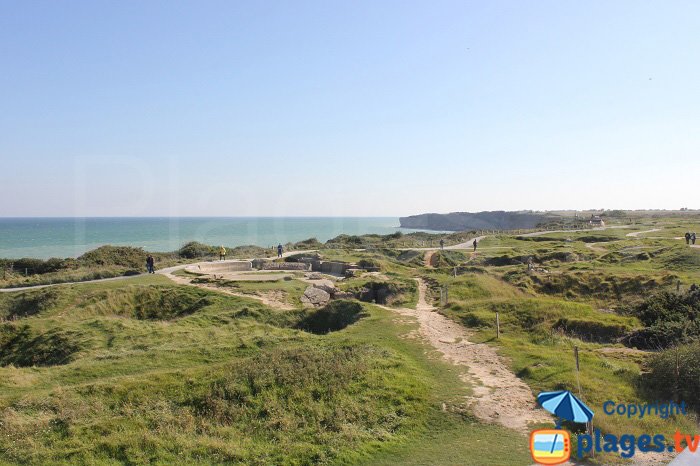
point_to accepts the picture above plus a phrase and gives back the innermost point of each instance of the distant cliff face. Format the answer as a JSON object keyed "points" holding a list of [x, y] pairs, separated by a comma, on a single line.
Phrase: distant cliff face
{"points": [[457, 221]]}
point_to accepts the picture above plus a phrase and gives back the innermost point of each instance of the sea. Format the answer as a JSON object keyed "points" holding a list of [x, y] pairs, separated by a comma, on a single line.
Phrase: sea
{"points": [[43, 238]]}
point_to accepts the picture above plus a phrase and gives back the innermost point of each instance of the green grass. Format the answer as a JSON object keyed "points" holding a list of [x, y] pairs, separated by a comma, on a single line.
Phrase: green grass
{"points": [[168, 374], [290, 290], [141, 370]]}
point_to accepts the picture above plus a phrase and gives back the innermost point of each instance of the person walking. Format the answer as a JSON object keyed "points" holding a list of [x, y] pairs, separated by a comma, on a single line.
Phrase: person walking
{"points": [[474, 243], [687, 237], [279, 250], [150, 264], [442, 244], [222, 253], [692, 237]]}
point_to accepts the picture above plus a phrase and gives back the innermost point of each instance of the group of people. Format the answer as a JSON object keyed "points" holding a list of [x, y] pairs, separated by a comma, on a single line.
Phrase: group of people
{"points": [[689, 237], [222, 252]]}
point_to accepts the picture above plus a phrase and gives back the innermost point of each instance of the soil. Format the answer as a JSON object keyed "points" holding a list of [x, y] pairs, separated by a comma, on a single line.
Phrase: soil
{"points": [[498, 395]]}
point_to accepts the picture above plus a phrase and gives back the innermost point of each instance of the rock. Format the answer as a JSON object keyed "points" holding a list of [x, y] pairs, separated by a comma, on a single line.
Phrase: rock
{"points": [[343, 295], [330, 289], [315, 297], [314, 276]]}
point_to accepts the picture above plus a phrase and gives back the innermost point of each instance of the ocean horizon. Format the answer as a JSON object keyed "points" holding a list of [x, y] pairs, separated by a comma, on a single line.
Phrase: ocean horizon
{"points": [[45, 237]]}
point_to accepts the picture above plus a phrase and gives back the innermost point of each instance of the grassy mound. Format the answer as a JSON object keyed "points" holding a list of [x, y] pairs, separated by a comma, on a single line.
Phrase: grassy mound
{"points": [[124, 256], [283, 398], [21, 346], [150, 302], [29, 303], [586, 284]]}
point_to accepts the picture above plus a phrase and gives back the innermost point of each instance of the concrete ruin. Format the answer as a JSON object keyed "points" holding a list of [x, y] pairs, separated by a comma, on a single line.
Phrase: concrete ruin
{"points": [[286, 266], [212, 268]]}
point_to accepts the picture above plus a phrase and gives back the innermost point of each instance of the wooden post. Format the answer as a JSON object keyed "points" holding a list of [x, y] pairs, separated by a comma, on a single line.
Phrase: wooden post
{"points": [[498, 326]]}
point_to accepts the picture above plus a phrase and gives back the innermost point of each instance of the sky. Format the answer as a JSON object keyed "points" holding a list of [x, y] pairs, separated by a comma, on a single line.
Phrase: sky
{"points": [[362, 108]]}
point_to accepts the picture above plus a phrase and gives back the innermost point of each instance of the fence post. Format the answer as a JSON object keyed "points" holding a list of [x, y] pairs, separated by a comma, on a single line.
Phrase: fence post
{"points": [[498, 326]]}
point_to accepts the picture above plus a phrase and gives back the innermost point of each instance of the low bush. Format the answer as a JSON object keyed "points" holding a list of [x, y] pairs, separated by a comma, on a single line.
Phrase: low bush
{"points": [[369, 264], [194, 250], [675, 372], [669, 319], [125, 256]]}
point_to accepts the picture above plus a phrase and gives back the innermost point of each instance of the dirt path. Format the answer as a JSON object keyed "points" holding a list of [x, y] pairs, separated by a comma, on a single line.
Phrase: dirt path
{"points": [[594, 247], [272, 299], [498, 395], [635, 234], [428, 258]]}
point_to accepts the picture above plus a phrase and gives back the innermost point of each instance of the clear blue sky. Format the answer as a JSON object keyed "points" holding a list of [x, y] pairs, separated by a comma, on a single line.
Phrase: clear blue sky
{"points": [[347, 108]]}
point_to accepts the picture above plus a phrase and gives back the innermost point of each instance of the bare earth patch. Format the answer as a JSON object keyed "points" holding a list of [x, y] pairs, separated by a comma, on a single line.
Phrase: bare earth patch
{"points": [[274, 299], [498, 395]]}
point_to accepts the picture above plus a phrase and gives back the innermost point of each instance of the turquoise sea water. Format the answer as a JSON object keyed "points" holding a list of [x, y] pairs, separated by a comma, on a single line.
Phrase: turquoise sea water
{"points": [[69, 237]]}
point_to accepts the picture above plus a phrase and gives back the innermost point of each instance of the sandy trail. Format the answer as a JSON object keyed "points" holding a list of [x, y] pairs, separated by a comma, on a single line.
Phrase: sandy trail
{"points": [[635, 234], [498, 395], [428, 258], [546, 232], [595, 247], [273, 299]]}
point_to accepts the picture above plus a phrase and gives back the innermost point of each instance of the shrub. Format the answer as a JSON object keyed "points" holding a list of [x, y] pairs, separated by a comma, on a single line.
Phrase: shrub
{"points": [[670, 318], [193, 250], [369, 264], [124, 256], [675, 371]]}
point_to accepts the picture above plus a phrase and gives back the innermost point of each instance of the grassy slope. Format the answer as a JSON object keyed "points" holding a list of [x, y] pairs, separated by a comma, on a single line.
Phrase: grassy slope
{"points": [[229, 380], [540, 349]]}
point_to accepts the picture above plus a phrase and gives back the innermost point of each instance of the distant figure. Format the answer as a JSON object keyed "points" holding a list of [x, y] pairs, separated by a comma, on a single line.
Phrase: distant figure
{"points": [[279, 250], [150, 264], [474, 243], [442, 244], [692, 237], [687, 237], [222, 253]]}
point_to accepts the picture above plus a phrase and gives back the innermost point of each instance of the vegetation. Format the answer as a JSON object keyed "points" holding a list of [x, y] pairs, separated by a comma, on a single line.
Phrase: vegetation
{"points": [[228, 380], [141, 370], [669, 319], [676, 372]]}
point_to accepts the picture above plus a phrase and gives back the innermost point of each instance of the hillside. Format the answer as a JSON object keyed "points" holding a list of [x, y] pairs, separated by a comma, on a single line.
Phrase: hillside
{"points": [[458, 221]]}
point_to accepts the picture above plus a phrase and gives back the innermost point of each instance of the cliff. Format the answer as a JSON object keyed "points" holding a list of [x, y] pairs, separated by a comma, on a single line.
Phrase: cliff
{"points": [[458, 221]]}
